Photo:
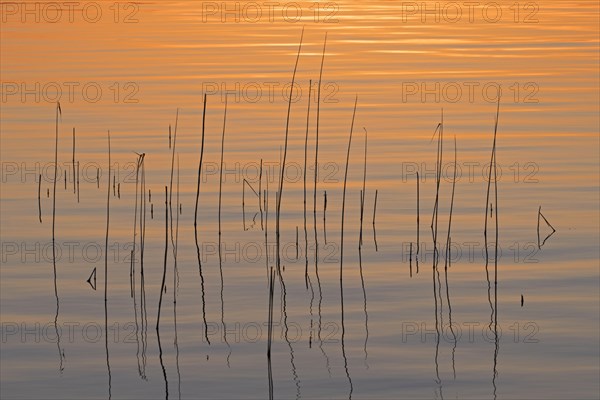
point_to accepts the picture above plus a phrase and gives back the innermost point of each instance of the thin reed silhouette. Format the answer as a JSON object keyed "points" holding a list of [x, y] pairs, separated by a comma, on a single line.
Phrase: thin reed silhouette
{"points": [[164, 275], [220, 253], [106, 275], [171, 181], [487, 201], [304, 182], [364, 191], [176, 288], [60, 351], [342, 251], [270, 330], [73, 161], [374, 214], [40, 198], [205, 326], [364, 292], [325, 216], [418, 225], [448, 261], [282, 171]]}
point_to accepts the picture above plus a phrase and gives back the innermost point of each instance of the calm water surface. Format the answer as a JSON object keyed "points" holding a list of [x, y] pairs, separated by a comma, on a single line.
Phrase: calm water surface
{"points": [[393, 338]]}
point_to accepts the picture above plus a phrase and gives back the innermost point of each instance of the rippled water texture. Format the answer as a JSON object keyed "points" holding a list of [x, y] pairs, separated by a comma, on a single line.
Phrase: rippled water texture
{"points": [[524, 327]]}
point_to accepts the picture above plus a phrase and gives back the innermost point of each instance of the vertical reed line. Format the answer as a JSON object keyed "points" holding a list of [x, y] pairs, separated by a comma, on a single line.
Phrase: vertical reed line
{"points": [[60, 351], [176, 287], [171, 182], [374, 212], [132, 278], [344, 197], [317, 147], [266, 207], [221, 167], [40, 198], [143, 308], [364, 291], [325, 216], [435, 215], [260, 207], [410, 260], [220, 253], [244, 204], [364, 192], [270, 331], [304, 183], [496, 337], [418, 223], [196, 223], [106, 274], [449, 258], [342, 248], [487, 201], [164, 276], [73, 161], [78, 184], [132, 260], [282, 172]]}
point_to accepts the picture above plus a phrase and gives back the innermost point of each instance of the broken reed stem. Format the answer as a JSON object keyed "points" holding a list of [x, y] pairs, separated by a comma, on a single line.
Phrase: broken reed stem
{"points": [[282, 172], [375, 206]]}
